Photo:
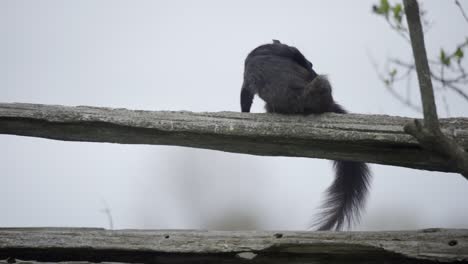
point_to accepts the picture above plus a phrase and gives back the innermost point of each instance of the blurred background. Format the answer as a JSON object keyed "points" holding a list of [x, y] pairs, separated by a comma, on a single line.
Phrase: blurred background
{"points": [[188, 55]]}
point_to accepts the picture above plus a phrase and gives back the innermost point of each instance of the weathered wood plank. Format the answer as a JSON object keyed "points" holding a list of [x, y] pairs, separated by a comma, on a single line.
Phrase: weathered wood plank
{"points": [[369, 138], [185, 246]]}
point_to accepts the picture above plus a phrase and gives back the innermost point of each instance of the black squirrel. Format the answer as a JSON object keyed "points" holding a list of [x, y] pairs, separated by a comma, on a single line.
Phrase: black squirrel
{"points": [[285, 80]]}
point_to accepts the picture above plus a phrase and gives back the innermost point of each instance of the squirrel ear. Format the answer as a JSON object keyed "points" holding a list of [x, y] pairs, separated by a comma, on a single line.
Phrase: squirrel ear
{"points": [[275, 41]]}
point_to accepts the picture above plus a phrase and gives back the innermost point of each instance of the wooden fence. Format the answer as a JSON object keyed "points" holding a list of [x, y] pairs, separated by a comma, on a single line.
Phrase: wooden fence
{"points": [[369, 138]]}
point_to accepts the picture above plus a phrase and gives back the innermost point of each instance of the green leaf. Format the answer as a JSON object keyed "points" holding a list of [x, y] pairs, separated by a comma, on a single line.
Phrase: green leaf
{"points": [[385, 6], [443, 58], [393, 73], [397, 8], [458, 54], [398, 12], [382, 9], [442, 55]]}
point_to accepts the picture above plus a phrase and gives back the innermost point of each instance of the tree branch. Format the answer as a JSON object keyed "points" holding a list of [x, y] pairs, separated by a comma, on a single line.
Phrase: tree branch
{"points": [[429, 134], [422, 65], [368, 138]]}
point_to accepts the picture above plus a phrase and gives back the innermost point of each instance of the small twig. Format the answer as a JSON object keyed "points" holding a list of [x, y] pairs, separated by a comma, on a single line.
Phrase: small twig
{"points": [[461, 10], [405, 101], [462, 70], [402, 63], [458, 90], [107, 211], [446, 105], [409, 69], [408, 86], [399, 30], [444, 87], [444, 80]]}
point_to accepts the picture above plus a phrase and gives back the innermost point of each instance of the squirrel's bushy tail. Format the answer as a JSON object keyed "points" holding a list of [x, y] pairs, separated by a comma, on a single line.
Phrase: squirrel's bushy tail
{"points": [[346, 197]]}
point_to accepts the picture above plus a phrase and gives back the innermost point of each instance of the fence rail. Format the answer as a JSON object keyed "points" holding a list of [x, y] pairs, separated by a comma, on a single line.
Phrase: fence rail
{"points": [[185, 246], [369, 138]]}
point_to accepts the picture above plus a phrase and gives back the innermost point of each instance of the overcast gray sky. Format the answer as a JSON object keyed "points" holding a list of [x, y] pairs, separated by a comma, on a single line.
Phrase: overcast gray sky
{"points": [[188, 55]]}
